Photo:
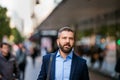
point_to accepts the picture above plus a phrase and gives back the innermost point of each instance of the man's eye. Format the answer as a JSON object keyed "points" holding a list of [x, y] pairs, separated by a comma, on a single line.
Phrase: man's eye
{"points": [[64, 38], [71, 38]]}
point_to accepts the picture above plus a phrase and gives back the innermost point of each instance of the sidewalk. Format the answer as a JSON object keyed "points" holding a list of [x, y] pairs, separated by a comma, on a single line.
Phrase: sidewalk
{"points": [[95, 75], [99, 75], [32, 71]]}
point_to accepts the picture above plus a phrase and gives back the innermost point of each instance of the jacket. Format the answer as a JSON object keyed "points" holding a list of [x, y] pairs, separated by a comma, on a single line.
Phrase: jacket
{"points": [[79, 70], [8, 68]]}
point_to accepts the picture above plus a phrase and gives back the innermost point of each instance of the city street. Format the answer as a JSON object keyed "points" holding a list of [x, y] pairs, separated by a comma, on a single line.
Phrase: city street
{"points": [[33, 28], [33, 71]]}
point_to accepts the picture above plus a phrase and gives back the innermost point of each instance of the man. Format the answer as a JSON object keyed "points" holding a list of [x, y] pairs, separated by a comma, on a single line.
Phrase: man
{"points": [[8, 66], [117, 67], [21, 59], [65, 64]]}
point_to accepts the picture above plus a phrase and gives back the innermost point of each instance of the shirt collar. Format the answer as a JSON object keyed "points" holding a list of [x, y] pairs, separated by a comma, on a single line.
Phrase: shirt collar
{"points": [[69, 56]]}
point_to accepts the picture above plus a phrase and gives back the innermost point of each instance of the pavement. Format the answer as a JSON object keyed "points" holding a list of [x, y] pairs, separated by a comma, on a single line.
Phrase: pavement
{"points": [[95, 75], [32, 71]]}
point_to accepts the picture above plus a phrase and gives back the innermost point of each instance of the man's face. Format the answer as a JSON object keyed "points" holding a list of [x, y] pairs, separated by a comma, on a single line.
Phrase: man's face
{"points": [[5, 50], [65, 41], [20, 45]]}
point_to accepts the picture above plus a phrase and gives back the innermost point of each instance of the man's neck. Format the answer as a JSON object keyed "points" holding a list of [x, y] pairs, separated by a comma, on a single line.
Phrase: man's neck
{"points": [[64, 55], [6, 56]]}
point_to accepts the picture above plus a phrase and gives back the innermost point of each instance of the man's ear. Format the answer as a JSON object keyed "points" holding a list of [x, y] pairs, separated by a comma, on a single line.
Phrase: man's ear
{"points": [[57, 42]]}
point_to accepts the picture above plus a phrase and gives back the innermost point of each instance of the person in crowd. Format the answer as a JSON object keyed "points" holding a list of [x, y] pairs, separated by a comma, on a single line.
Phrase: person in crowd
{"points": [[33, 54], [21, 59], [117, 67], [8, 67], [64, 64]]}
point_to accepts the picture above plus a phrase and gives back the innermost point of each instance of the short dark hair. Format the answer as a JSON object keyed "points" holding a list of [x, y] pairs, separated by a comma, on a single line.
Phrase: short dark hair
{"points": [[64, 29], [4, 43]]}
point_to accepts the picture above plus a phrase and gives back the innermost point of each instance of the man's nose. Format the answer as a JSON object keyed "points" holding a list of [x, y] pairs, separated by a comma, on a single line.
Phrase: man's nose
{"points": [[67, 40]]}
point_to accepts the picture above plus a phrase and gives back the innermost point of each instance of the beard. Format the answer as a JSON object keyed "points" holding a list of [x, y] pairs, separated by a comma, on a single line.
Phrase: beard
{"points": [[66, 48]]}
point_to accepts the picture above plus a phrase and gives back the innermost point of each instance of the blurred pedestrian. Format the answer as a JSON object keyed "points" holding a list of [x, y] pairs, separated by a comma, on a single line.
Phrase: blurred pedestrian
{"points": [[8, 66], [21, 59], [117, 67], [64, 64], [33, 54]]}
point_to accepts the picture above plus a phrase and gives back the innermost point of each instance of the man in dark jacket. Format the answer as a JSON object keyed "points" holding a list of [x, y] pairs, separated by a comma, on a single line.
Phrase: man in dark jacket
{"points": [[21, 59], [117, 67], [8, 66], [64, 64]]}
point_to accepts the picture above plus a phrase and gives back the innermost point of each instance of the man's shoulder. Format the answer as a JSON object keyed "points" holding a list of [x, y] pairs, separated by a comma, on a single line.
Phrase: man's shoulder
{"points": [[47, 56], [80, 59], [0, 54], [12, 56], [1, 57]]}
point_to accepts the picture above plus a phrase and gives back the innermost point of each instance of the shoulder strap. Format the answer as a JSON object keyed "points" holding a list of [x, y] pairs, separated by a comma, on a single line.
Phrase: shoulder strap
{"points": [[49, 66]]}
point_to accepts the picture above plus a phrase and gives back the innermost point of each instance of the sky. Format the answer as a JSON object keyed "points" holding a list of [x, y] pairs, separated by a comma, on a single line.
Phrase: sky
{"points": [[23, 10]]}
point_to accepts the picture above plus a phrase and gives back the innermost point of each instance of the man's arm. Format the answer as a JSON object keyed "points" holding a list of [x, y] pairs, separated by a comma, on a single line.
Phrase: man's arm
{"points": [[42, 75], [16, 70], [0, 76], [85, 72]]}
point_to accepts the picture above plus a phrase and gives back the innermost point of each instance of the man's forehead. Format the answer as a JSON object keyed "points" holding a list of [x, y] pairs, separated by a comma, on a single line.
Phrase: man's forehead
{"points": [[67, 33], [5, 45]]}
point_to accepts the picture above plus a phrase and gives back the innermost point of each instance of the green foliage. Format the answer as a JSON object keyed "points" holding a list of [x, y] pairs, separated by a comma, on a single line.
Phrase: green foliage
{"points": [[109, 29], [4, 23], [104, 30], [83, 33], [112, 30], [17, 36], [79, 35], [88, 32]]}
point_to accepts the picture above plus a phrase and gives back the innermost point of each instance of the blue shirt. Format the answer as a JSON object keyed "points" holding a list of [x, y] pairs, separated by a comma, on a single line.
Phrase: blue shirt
{"points": [[63, 66]]}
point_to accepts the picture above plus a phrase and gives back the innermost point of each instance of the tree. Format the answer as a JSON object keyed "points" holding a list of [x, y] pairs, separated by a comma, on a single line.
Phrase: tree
{"points": [[4, 23], [17, 36]]}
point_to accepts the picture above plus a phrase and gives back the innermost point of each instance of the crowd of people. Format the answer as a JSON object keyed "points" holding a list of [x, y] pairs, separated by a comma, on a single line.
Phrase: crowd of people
{"points": [[12, 66], [65, 63]]}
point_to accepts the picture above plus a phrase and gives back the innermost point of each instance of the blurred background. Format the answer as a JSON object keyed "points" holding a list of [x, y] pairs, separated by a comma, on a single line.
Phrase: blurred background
{"points": [[35, 23]]}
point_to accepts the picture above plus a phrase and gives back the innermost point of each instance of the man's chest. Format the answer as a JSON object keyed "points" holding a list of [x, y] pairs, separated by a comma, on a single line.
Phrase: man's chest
{"points": [[6, 65]]}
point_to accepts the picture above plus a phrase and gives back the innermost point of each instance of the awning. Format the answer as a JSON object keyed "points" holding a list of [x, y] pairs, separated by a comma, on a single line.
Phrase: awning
{"points": [[71, 12]]}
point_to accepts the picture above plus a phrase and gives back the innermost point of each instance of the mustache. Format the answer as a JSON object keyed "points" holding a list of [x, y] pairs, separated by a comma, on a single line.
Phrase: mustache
{"points": [[67, 44]]}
